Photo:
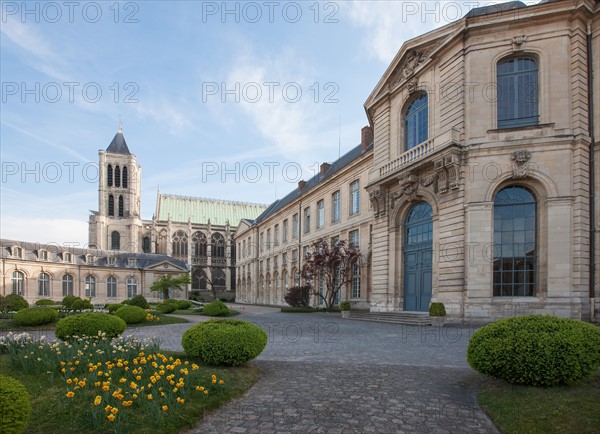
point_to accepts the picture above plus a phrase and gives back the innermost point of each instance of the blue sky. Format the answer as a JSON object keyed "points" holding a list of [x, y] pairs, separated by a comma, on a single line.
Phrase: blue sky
{"points": [[235, 100]]}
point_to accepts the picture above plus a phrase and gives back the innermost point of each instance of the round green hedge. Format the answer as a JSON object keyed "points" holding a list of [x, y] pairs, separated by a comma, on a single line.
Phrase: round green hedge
{"points": [[81, 304], [15, 404], [216, 308], [183, 304], [168, 306], [68, 301], [140, 301], [224, 341], [33, 316], [13, 303], [131, 314], [44, 302], [112, 308], [89, 324], [539, 350]]}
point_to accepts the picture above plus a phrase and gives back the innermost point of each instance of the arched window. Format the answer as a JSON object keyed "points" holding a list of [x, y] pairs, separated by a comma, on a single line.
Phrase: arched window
{"points": [[115, 240], [131, 287], [125, 181], [218, 278], [67, 285], [198, 244], [111, 287], [109, 177], [111, 205], [18, 282], [146, 244], [198, 278], [180, 244], [416, 129], [517, 84], [90, 286], [44, 285], [217, 246], [515, 249], [117, 176], [121, 206]]}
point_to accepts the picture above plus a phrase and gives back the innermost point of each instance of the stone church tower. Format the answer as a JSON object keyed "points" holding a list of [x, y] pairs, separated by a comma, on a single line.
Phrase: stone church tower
{"points": [[117, 224]]}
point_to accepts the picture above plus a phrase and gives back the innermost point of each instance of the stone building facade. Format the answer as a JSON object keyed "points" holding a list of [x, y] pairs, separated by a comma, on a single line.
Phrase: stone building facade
{"points": [[482, 177], [49, 271], [194, 230]]}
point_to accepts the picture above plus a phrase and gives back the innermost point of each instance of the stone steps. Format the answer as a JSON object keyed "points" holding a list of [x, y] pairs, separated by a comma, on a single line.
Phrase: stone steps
{"points": [[408, 318]]}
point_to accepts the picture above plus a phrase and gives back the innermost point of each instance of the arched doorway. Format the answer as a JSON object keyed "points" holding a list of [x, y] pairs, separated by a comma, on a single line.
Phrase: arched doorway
{"points": [[418, 254]]}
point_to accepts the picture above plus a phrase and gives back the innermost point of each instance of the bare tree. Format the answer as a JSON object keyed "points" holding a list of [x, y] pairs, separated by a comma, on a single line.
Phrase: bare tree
{"points": [[333, 264]]}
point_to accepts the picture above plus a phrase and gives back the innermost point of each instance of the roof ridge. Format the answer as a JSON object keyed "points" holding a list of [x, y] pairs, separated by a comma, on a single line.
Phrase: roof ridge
{"points": [[206, 199]]}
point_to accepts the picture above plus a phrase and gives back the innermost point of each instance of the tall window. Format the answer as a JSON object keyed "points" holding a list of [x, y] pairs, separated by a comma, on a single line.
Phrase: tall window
{"points": [[320, 214], [146, 244], [355, 197], [199, 244], [17, 252], [353, 238], [295, 226], [180, 244], [117, 176], [44, 285], [335, 207], [268, 239], [356, 280], [125, 180], [109, 177], [515, 250], [517, 86], [306, 220], [90, 286], [131, 287], [67, 285], [276, 235], [115, 240], [67, 257], [121, 206], [416, 122], [111, 205], [217, 246], [18, 282], [262, 242], [285, 231], [43, 255], [111, 287]]}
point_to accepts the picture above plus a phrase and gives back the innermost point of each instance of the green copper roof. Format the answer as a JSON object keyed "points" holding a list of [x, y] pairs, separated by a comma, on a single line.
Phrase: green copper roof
{"points": [[199, 210]]}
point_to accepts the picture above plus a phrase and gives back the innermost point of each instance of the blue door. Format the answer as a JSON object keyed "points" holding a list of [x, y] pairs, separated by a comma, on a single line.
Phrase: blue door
{"points": [[418, 255]]}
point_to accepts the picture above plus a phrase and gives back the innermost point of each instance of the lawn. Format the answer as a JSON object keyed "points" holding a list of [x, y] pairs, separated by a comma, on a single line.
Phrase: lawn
{"points": [[533, 410], [60, 406]]}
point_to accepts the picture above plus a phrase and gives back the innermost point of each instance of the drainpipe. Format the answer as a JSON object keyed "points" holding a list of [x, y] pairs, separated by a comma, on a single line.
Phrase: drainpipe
{"points": [[592, 265]]}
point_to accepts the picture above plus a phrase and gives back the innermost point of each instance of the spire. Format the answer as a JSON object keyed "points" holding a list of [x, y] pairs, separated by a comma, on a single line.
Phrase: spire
{"points": [[118, 144]]}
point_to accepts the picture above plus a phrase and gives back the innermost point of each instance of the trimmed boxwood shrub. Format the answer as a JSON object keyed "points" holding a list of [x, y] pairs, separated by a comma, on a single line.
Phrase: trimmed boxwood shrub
{"points": [[44, 302], [13, 303], [139, 300], [183, 304], [131, 314], [81, 304], [228, 342], [15, 404], [33, 316], [68, 301], [89, 324], [216, 308], [112, 308], [168, 306], [437, 309], [538, 350]]}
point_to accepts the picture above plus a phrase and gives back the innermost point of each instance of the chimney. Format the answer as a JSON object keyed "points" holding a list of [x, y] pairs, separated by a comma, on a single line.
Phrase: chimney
{"points": [[366, 138], [301, 185], [324, 168]]}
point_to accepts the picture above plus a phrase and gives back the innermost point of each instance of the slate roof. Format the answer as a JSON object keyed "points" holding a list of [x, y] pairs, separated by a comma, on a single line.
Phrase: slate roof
{"points": [[118, 144], [56, 254], [199, 210], [495, 8], [313, 182]]}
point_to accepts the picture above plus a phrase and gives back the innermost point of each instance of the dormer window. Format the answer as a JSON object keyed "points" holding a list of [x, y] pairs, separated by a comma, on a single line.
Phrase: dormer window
{"points": [[17, 252], [132, 262], [67, 257], [89, 259], [43, 255], [111, 260]]}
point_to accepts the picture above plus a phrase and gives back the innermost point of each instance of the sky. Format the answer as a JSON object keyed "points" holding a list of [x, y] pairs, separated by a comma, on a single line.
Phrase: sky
{"points": [[225, 100]]}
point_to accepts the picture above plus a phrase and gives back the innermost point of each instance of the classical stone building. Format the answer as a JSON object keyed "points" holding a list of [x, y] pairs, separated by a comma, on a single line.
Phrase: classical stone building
{"points": [[482, 177], [49, 271], [194, 230]]}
